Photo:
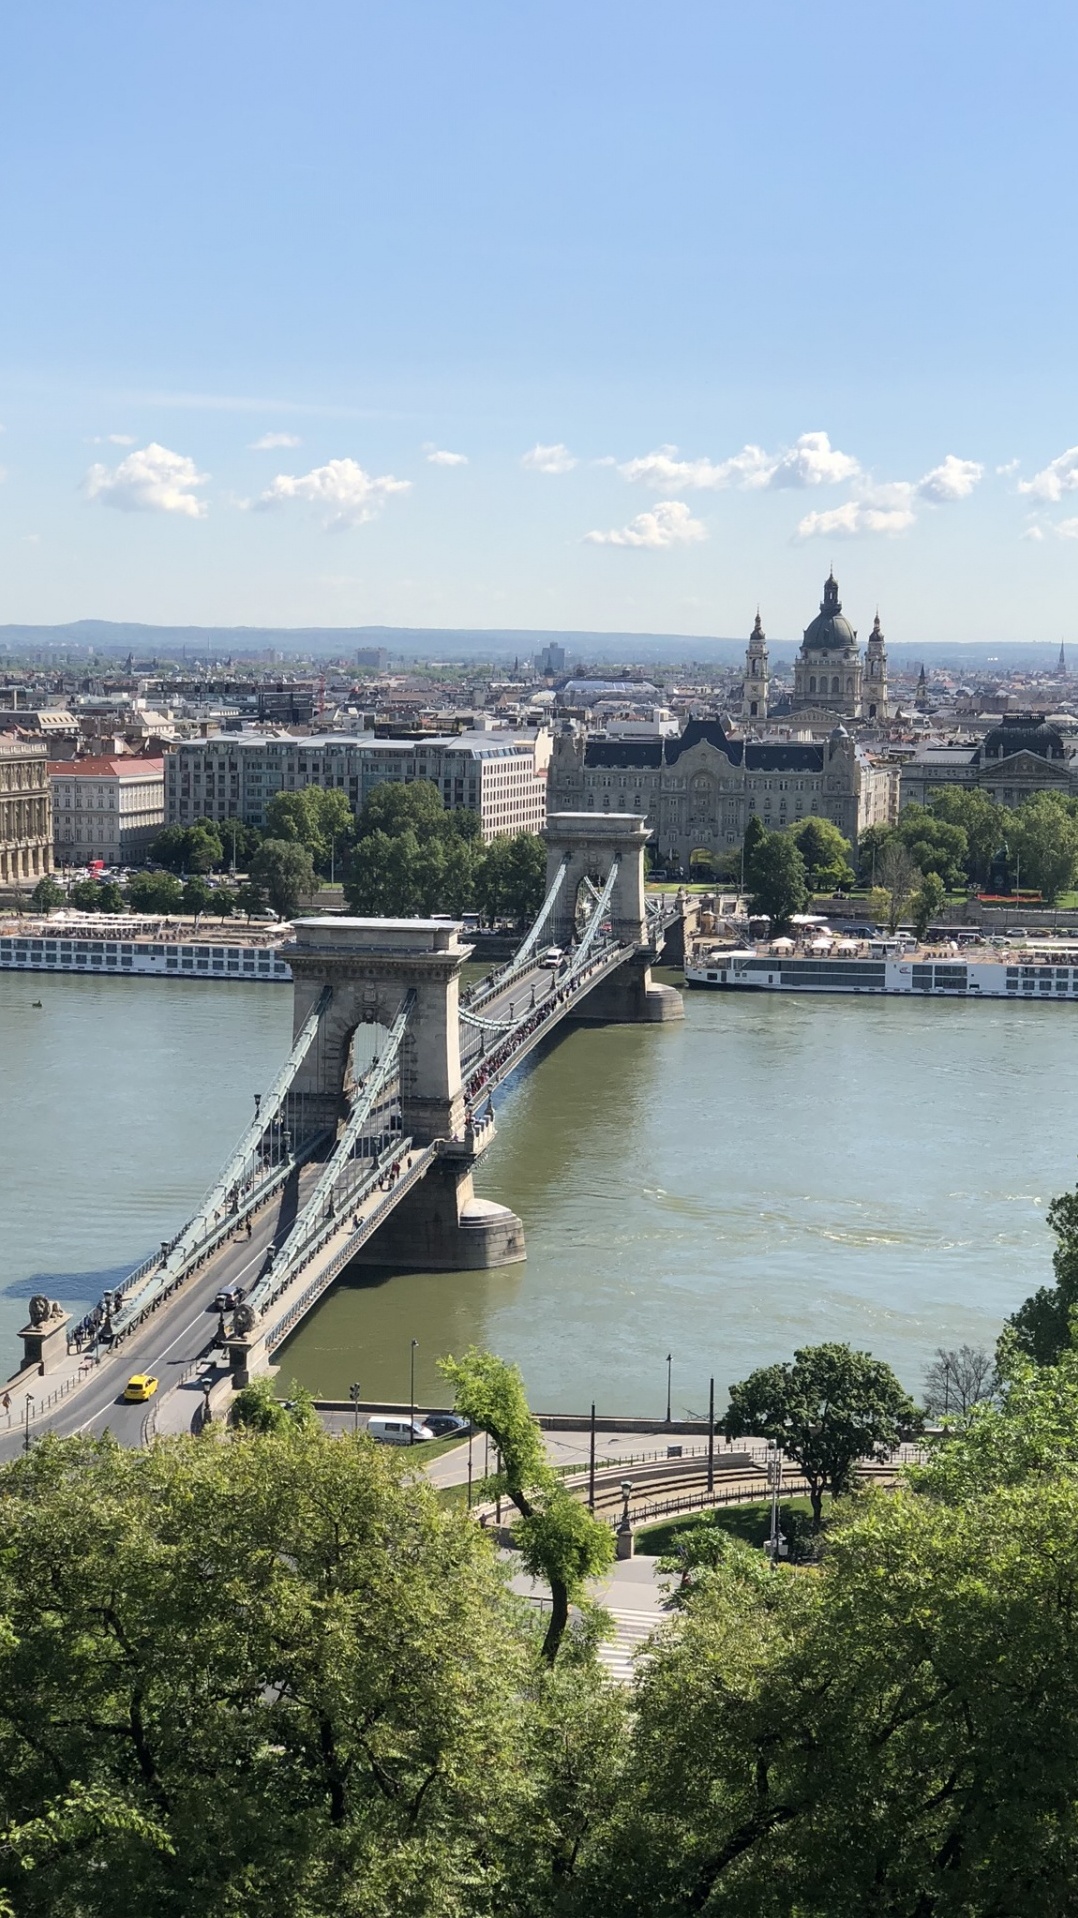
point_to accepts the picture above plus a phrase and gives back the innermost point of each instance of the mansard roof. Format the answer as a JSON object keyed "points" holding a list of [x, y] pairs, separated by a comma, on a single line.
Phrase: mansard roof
{"points": [[757, 755], [623, 752]]}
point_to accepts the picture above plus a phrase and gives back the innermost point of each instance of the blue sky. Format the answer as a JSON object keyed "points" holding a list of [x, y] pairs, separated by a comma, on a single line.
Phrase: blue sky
{"points": [[768, 287]]}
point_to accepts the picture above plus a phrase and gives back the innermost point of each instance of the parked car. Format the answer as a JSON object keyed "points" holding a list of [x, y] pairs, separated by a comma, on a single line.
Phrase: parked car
{"points": [[397, 1430], [140, 1387], [445, 1424]]}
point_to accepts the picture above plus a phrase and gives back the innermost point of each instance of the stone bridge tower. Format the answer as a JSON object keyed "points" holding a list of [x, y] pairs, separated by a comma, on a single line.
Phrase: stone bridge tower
{"points": [[587, 844], [370, 965]]}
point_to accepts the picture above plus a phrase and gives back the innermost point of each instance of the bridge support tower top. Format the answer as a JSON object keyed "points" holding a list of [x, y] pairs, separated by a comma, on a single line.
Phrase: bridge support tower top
{"points": [[370, 965], [591, 842]]}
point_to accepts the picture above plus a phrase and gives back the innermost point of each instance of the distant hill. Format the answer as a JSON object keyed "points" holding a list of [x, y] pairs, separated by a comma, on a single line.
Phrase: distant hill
{"points": [[501, 644]]}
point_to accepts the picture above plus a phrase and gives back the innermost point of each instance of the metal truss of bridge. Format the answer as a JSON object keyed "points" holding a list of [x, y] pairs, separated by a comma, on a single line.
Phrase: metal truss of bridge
{"points": [[366, 1143]]}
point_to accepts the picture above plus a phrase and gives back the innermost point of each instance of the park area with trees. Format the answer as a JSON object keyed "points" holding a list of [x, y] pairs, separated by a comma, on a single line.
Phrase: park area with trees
{"points": [[267, 1671], [404, 855]]}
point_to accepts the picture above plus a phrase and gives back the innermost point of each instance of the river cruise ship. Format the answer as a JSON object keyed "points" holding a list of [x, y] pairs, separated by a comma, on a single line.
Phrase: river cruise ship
{"points": [[979, 972], [129, 949]]}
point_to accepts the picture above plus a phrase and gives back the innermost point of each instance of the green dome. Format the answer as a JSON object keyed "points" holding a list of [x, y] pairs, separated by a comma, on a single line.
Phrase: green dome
{"points": [[829, 630]]}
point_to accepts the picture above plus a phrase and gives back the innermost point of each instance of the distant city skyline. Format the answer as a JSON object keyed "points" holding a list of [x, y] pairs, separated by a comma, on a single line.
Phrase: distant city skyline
{"points": [[584, 319]]}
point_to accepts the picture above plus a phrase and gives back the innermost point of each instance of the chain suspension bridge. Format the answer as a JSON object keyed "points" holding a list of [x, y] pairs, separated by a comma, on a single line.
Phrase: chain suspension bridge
{"points": [[364, 1147]]}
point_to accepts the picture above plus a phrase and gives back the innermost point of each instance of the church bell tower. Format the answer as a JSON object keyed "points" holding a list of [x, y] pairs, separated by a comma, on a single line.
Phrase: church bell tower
{"points": [[874, 688], [756, 684]]}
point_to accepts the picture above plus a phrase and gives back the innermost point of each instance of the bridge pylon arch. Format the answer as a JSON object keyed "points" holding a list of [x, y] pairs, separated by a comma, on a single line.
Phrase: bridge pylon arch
{"points": [[588, 844]]}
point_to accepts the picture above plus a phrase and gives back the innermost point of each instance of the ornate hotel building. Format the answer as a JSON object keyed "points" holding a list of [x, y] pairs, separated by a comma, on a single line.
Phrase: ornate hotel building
{"points": [[25, 811]]}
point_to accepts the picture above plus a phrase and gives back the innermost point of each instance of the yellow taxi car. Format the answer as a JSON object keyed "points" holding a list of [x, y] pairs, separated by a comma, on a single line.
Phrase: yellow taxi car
{"points": [[140, 1387]]}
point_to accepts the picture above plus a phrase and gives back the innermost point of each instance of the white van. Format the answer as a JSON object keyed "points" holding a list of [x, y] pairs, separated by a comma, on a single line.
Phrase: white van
{"points": [[398, 1431]]}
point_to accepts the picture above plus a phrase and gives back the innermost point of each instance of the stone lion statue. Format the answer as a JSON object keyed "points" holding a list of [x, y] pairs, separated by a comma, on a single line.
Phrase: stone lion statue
{"points": [[43, 1309]]}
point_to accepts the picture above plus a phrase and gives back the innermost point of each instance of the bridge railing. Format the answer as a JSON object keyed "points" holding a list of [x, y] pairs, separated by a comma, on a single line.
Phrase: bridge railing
{"points": [[501, 976], [265, 1156], [375, 1111], [414, 1163]]}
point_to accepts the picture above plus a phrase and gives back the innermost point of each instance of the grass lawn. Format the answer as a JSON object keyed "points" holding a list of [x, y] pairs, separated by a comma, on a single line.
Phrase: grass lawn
{"points": [[752, 1523]]}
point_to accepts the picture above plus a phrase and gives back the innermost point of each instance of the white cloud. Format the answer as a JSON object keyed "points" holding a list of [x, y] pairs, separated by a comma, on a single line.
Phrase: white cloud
{"points": [[270, 441], [883, 512], [1033, 532], [439, 457], [1066, 529], [1058, 477], [153, 480], [112, 439], [349, 495], [549, 459], [671, 524], [810, 461], [954, 479], [1010, 467]]}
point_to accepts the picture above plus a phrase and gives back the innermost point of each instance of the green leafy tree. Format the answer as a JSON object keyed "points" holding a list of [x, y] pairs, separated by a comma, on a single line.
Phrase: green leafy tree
{"points": [[284, 871], [979, 818], [251, 899], [258, 1408], [558, 1539], [188, 849], [778, 885], [198, 896], [265, 1674], [1041, 1327], [927, 902], [898, 873], [830, 1408], [825, 852], [370, 878], [919, 1689], [755, 837], [933, 844], [869, 850], [47, 895], [395, 807], [526, 875], [1043, 840], [224, 902], [316, 817], [110, 896], [155, 892], [85, 895]]}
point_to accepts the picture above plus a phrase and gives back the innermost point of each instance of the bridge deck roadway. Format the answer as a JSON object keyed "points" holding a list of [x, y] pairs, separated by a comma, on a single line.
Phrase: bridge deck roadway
{"points": [[175, 1335]]}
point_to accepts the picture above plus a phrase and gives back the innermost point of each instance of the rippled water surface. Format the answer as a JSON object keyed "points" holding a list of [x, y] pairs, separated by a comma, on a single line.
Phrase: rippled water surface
{"points": [[774, 1170]]}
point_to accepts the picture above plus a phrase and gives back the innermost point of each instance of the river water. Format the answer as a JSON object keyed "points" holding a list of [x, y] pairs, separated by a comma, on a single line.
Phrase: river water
{"points": [[776, 1170]]}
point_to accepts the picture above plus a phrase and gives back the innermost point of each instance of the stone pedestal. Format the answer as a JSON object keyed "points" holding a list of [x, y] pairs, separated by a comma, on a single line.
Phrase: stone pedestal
{"points": [[630, 997], [623, 1541], [44, 1341], [440, 1226]]}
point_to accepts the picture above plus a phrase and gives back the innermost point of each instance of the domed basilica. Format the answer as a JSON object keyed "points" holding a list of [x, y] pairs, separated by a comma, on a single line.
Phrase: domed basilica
{"points": [[830, 675]]}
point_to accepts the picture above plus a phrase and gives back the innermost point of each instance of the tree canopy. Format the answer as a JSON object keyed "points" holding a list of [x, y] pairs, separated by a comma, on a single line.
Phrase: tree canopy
{"points": [[284, 870], [776, 879], [828, 1409], [412, 855]]}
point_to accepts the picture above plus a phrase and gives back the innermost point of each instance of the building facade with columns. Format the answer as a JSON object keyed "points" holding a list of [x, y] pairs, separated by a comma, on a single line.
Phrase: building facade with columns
{"points": [[25, 811], [698, 792]]}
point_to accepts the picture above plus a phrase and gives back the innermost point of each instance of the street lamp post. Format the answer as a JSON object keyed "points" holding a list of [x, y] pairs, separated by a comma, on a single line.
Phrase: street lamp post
{"points": [[411, 1427], [207, 1388], [624, 1544], [711, 1439], [669, 1382], [353, 1393], [26, 1429], [591, 1462]]}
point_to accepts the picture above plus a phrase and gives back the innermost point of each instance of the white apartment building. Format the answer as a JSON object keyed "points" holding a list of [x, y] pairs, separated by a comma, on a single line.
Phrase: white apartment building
{"points": [[502, 776], [104, 808]]}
